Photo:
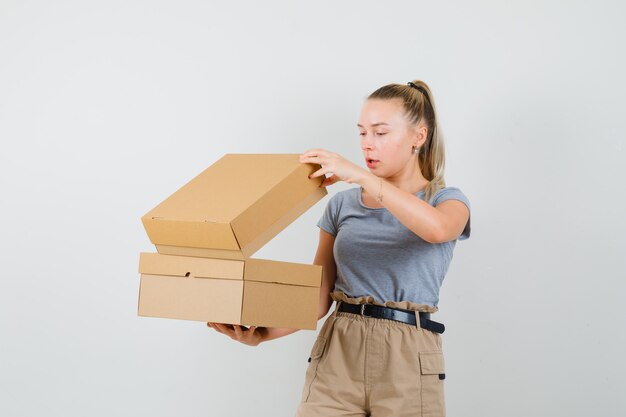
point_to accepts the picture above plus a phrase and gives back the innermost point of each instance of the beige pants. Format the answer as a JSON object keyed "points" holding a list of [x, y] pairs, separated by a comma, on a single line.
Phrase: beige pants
{"points": [[366, 366]]}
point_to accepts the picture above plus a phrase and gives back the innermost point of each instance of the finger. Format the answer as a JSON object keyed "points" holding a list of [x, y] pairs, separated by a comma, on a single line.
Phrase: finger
{"points": [[329, 181], [321, 171], [237, 330], [224, 329], [313, 151], [312, 160]]}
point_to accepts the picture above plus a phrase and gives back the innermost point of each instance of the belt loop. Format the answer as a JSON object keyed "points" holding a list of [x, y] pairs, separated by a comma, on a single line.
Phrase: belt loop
{"points": [[337, 304], [417, 320]]}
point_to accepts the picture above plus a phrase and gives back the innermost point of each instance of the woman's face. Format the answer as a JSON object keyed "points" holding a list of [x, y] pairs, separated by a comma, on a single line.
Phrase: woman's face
{"points": [[386, 136]]}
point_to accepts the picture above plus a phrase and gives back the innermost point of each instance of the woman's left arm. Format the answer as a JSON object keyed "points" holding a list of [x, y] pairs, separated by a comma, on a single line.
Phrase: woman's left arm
{"points": [[437, 224]]}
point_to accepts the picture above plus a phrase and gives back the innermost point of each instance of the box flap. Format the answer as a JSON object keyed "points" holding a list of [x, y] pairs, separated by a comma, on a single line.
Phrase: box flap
{"points": [[233, 203], [157, 264]]}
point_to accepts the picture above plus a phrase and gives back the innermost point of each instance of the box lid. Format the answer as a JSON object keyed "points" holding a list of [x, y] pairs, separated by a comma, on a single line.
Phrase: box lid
{"points": [[261, 270], [187, 266], [238, 204]]}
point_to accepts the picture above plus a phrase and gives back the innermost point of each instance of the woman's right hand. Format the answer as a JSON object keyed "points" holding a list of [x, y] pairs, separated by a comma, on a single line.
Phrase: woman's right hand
{"points": [[252, 336]]}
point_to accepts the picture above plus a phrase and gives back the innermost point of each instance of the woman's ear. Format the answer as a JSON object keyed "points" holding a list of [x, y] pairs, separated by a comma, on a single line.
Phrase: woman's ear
{"points": [[420, 134]]}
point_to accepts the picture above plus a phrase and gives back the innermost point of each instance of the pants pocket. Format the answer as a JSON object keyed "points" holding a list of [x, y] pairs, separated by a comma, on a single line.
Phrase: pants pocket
{"points": [[432, 375], [314, 358]]}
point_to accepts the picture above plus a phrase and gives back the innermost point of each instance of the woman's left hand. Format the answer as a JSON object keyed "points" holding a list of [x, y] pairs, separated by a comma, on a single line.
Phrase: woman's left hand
{"points": [[252, 335], [341, 168]]}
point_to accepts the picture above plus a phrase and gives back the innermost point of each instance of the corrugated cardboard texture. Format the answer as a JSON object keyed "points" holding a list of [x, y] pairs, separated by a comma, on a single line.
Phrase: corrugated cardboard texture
{"points": [[250, 269], [237, 204], [157, 264], [277, 305], [268, 293], [284, 221], [255, 245], [187, 298], [283, 272], [200, 252], [229, 301]]}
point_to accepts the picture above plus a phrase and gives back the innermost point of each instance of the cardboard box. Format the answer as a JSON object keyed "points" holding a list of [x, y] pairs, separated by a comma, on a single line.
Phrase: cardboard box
{"points": [[234, 207], [253, 292], [205, 233]]}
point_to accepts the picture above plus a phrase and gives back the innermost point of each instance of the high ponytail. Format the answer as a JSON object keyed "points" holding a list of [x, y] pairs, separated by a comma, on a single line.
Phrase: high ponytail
{"points": [[418, 102]]}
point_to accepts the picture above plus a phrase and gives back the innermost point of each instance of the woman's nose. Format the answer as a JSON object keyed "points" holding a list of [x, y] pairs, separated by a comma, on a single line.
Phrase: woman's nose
{"points": [[366, 142], [367, 146]]}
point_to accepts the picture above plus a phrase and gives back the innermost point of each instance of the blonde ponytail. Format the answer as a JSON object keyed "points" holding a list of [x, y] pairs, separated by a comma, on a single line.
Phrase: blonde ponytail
{"points": [[418, 102]]}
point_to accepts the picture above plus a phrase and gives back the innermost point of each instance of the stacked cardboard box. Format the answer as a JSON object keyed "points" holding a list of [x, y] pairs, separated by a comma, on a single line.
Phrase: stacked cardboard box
{"points": [[206, 232]]}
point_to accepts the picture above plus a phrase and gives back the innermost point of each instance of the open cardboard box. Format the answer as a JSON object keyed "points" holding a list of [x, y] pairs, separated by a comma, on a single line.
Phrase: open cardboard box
{"points": [[254, 292], [205, 233]]}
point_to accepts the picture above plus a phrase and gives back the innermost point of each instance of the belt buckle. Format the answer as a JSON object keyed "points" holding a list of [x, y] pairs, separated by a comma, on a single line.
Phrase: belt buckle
{"points": [[362, 308]]}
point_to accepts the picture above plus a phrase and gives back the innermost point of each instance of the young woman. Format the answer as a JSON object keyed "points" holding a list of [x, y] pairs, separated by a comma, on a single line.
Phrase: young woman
{"points": [[385, 248]]}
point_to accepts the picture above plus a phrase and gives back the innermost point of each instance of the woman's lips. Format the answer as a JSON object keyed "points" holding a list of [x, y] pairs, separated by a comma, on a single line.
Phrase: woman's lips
{"points": [[371, 163]]}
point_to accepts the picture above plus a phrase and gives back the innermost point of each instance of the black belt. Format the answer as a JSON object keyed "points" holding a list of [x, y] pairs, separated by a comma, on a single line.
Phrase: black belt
{"points": [[404, 316]]}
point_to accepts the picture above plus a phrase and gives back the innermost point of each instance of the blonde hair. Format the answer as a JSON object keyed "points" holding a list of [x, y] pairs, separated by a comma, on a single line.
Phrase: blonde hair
{"points": [[419, 105]]}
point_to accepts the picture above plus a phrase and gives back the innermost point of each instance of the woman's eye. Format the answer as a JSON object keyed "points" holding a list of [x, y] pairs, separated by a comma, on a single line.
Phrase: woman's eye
{"points": [[379, 133]]}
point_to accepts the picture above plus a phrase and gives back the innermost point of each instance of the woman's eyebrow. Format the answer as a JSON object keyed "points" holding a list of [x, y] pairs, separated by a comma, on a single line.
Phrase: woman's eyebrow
{"points": [[375, 124]]}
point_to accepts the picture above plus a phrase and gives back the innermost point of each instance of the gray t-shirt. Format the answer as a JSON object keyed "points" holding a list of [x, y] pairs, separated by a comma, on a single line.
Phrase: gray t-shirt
{"points": [[377, 255]]}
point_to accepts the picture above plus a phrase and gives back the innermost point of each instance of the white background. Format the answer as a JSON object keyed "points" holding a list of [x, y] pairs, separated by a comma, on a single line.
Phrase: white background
{"points": [[107, 107]]}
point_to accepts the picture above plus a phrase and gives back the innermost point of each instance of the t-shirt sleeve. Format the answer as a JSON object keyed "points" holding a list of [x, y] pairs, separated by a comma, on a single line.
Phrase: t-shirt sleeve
{"points": [[453, 193], [328, 221]]}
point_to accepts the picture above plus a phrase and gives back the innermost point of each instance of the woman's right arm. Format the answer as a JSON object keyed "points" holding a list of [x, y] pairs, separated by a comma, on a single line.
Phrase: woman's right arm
{"points": [[326, 259]]}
